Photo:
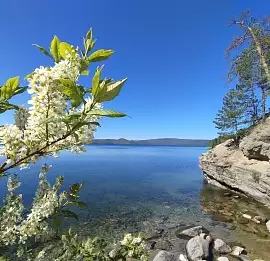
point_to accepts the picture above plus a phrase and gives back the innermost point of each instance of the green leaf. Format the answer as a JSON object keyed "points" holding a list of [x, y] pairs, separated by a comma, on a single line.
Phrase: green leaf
{"points": [[84, 67], [89, 35], [5, 106], [88, 41], [8, 90], [57, 222], [20, 90], [43, 50], [84, 123], [111, 90], [72, 91], [55, 49], [100, 55], [78, 203], [96, 82], [106, 113], [68, 214], [65, 48], [85, 72], [75, 188]]}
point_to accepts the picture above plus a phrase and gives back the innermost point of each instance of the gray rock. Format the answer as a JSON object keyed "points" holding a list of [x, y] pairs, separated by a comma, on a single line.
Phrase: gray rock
{"points": [[237, 251], [164, 256], [261, 218], [247, 216], [268, 225], [222, 258], [256, 145], [191, 232], [183, 257], [245, 168], [197, 248], [221, 247]]}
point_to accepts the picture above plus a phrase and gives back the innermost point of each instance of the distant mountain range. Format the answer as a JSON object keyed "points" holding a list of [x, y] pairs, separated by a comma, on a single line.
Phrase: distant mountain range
{"points": [[155, 142]]}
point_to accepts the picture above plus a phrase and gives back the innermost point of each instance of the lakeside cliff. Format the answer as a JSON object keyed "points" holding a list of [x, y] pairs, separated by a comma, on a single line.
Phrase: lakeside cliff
{"points": [[244, 168]]}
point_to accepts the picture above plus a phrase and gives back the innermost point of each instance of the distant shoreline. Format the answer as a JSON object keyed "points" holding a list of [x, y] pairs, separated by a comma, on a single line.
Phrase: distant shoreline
{"points": [[155, 142]]}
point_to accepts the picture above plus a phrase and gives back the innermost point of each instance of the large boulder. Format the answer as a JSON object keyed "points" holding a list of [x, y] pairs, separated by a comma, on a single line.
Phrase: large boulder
{"points": [[197, 248], [257, 144], [164, 256], [245, 169]]}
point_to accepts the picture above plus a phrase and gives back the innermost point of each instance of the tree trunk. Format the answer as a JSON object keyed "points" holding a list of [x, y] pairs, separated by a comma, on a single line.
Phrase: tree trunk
{"points": [[261, 55], [254, 106], [263, 101]]}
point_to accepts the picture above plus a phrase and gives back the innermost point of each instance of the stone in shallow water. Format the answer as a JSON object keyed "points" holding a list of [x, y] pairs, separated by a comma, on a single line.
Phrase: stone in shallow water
{"points": [[268, 225], [244, 258], [197, 248], [183, 257], [222, 247], [237, 251], [190, 232], [164, 256], [242, 220], [163, 245], [261, 218], [247, 216], [222, 258]]}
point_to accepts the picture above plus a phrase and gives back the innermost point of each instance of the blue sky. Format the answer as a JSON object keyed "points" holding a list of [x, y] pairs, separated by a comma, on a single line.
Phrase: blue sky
{"points": [[172, 52]]}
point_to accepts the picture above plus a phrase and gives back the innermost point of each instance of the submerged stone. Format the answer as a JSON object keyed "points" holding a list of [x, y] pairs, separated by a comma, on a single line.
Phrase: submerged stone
{"points": [[244, 258], [164, 256], [191, 232], [222, 258]]}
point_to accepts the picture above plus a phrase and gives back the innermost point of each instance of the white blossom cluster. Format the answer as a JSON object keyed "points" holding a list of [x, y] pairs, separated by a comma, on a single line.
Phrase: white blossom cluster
{"points": [[44, 125], [45, 204], [134, 246], [11, 214], [14, 227]]}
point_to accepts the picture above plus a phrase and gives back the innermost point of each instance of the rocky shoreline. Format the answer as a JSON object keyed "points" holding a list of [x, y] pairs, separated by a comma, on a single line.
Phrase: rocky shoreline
{"points": [[243, 168], [198, 244]]}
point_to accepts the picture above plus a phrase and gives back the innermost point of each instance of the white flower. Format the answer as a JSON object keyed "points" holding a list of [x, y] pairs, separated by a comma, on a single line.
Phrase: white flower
{"points": [[127, 239], [136, 240]]}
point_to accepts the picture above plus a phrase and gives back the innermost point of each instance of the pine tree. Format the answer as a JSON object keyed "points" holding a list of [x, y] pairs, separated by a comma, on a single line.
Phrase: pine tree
{"points": [[231, 116], [254, 60]]}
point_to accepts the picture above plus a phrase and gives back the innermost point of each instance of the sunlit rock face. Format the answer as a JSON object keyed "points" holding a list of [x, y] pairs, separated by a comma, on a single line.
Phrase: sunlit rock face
{"points": [[244, 168]]}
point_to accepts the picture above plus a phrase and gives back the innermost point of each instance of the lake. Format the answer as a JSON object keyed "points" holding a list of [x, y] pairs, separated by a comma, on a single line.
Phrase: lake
{"points": [[140, 188]]}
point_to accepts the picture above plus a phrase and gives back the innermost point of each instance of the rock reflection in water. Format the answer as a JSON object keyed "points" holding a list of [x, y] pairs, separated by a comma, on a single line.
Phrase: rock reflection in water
{"points": [[228, 208]]}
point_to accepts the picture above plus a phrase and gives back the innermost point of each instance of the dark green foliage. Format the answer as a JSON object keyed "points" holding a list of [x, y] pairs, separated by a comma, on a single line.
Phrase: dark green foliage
{"points": [[237, 138], [219, 140], [231, 117], [251, 66]]}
